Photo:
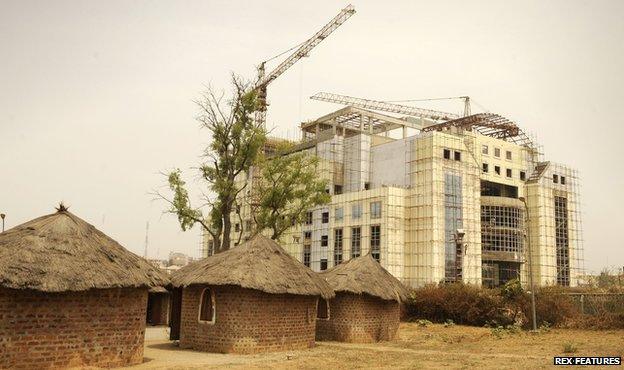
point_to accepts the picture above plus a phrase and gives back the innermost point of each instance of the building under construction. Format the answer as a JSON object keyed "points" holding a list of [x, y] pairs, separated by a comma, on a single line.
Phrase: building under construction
{"points": [[436, 198], [432, 196]]}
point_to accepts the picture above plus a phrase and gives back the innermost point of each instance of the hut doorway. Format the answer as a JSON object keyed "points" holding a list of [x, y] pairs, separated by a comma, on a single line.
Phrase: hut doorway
{"points": [[175, 314], [157, 308]]}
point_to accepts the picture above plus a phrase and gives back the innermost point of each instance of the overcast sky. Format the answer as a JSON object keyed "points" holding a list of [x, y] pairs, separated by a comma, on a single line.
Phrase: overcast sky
{"points": [[96, 97]]}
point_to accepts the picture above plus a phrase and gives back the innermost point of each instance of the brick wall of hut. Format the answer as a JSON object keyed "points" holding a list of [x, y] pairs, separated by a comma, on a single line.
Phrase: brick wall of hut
{"points": [[359, 319], [248, 321], [102, 328]]}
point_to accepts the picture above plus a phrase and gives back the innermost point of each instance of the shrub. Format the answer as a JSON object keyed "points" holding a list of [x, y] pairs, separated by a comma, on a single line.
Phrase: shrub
{"points": [[461, 303], [551, 306], [569, 348]]}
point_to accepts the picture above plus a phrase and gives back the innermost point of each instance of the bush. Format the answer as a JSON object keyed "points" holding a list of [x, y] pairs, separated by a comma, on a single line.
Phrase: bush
{"points": [[552, 307], [460, 303], [508, 306]]}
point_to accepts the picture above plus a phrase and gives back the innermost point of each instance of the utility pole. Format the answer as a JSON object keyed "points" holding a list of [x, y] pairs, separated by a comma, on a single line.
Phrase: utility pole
{"points": [[530, 260], [146, 231], [2, 215]]}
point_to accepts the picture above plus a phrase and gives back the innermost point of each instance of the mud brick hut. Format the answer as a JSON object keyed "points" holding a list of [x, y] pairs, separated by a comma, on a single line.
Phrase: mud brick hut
{"points": [[367, 303], [70, 296], [252, 298]]}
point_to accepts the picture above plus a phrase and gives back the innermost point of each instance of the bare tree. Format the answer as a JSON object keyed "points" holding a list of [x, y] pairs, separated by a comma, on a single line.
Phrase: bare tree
{"points": [[236, 142]]}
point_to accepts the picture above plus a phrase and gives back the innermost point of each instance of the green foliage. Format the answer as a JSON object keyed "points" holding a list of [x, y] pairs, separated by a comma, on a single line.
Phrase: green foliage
{"points": [[289, 186], [569, 348], [512, 290], [181, 204], [423, 322]]}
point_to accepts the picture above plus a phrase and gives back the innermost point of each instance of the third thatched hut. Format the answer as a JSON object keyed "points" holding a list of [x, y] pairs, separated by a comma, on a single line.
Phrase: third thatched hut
{"points": [[367, 303]]}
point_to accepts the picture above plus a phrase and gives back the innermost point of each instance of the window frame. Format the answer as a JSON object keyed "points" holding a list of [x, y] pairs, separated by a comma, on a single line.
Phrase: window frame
{"points": [[485, 149], [325, 217], [485, 167], [212, 302], [375, 204], [497, 152], [357, 215], [338, 213]]}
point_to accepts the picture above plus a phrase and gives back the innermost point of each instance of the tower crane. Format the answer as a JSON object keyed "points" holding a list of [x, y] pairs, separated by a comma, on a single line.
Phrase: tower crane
{"points": [[384, 106], [304, 49]]}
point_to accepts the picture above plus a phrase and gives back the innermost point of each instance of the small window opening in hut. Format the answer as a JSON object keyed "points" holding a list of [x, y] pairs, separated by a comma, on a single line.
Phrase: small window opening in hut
{"points": [[322, 311], [207, 306]]}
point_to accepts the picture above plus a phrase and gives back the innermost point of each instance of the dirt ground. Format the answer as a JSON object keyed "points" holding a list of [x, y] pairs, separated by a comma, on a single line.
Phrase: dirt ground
{"points": [[434, 346]]}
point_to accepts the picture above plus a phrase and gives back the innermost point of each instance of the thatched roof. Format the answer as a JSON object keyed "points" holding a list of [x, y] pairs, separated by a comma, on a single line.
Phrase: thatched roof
{"points": [[364, 275], [260, 264], [61, 252]]}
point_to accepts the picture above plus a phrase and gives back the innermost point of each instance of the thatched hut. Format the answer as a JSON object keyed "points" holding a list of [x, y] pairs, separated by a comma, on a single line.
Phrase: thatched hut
{"points": [[70, 296], [367, 303], [252, 298]]}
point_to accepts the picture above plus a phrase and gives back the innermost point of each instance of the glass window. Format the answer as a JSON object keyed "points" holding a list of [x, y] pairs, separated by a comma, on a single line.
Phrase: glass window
{"points": [[497, 152], [337, 189], [356, 210], [375, 209], [356, 242], [306, 255], [308, 218], [508, 155], [206, 306], [323, 264], [509, 172], [497, 170], [325, 217], [324, 241], [337, 247], [555, 179], [522, 175], [457, 156], [484, 149], [486, 168], [338, 214], [375, 242], [562, 180], [447, 154]]}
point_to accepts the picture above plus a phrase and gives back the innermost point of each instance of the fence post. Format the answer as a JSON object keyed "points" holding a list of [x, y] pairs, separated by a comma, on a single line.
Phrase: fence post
{"points": [[583, 304]]}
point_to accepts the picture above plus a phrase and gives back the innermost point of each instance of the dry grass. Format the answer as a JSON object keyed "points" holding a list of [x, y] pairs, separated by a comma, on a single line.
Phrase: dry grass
{"points": [[433, 346]]}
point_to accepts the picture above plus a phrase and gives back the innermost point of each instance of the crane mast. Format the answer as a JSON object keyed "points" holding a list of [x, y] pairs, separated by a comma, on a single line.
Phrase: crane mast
{"points": [[384, 106], [265, 79]]}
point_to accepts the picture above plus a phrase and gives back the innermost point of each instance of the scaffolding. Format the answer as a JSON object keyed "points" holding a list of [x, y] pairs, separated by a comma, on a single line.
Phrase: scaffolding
{"points": [[555, 228], [466, 200]]}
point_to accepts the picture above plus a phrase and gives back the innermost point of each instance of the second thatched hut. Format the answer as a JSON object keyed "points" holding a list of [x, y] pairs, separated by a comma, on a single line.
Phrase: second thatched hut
{"points": [[252, 298], [367, 303]]}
